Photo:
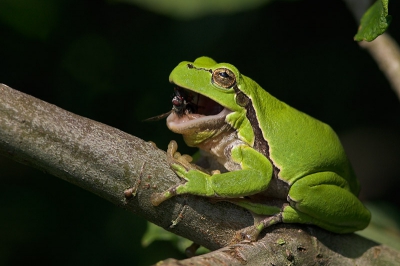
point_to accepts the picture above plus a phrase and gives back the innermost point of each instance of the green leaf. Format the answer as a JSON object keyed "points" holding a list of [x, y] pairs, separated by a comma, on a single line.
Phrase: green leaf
{"points": [[374, 22], [35, 19], [385, 224], [184, 9], [156, 233]]}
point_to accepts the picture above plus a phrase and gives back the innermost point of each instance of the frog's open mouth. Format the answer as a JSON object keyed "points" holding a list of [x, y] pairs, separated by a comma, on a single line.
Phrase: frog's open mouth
{"points": [[192, 110]]}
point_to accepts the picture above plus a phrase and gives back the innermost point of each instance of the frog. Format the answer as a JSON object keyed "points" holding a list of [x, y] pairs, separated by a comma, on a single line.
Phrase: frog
{"points": [[277, 162]]}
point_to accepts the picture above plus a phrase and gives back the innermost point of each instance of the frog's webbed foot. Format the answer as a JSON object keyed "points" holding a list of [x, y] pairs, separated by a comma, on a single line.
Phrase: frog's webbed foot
{"points": [[181, 164], [175, 158], [251, 233]]}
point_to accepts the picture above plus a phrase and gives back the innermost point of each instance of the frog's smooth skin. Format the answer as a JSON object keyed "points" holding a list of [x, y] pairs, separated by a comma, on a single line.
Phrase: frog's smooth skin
{"points": [[281, 164]]}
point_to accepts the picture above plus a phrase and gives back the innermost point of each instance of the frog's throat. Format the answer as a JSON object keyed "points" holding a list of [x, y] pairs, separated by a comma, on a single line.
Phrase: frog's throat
{"points": [[194, 124]]}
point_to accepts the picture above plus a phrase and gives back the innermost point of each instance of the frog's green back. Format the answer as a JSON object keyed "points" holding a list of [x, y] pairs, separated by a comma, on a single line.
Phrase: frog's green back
{"points": [[296, 139]]}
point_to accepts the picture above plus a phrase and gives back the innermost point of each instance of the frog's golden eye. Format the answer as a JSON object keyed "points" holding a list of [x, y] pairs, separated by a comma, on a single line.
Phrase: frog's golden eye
{"points": [[223, 77]]}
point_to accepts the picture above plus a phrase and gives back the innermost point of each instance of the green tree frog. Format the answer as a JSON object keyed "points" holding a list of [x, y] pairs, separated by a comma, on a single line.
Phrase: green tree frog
{"points": [[281, 164]]}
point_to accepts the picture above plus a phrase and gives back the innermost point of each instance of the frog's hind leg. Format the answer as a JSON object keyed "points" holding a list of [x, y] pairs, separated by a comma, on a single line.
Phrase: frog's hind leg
{"points": [[265, 213], [324, 199]]}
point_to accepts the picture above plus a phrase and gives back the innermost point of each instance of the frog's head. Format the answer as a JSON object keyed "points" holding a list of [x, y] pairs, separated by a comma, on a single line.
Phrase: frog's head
{"points": [[208, 89]]}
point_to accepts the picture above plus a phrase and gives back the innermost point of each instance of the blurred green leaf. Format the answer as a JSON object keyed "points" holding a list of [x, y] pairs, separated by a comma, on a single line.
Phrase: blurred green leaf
{"points": [[90, 59], [374, 22], [156, 233], [191, 9], [32, 18], [385, 224]]}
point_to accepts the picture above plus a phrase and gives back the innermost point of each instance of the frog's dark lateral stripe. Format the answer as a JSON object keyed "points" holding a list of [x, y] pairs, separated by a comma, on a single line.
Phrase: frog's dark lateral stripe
{"points": [[260, 143], [199, 68]]}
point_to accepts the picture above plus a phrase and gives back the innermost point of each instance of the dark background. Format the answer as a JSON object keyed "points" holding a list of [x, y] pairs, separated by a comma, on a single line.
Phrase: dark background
{"points": [[110, 62]]}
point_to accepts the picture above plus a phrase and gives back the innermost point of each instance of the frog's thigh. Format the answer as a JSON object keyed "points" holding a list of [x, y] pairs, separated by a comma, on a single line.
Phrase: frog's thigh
{"points": [[323, 199]]}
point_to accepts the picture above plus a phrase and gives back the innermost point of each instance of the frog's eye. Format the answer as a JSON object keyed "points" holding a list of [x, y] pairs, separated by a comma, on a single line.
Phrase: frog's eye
{"points": [[223, 77]]}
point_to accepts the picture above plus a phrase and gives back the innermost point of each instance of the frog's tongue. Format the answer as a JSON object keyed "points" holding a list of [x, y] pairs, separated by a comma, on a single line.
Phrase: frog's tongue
{"points": [[208, 115]]}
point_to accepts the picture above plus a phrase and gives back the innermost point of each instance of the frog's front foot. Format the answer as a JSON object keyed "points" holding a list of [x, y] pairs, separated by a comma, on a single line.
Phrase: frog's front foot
{"points": [[251, 233], [180, 163], [158, 198], [174, 157]]}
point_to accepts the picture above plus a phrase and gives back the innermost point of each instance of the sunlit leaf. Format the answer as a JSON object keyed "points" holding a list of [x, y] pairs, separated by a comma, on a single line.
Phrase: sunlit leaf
{"points": [[374, 22]]}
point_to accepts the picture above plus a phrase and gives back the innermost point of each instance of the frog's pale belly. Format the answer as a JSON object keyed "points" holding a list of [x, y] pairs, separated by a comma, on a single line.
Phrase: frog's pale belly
{"points": [[219, 149]]}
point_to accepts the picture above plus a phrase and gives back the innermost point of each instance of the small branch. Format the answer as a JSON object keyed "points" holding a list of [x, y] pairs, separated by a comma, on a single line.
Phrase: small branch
{"points": [[358, 7], [384, 49], [386, 53], [107, 162]]}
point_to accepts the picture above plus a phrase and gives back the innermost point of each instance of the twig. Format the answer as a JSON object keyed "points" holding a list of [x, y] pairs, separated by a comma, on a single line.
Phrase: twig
{"points": [[386, 53], [384, 49]]}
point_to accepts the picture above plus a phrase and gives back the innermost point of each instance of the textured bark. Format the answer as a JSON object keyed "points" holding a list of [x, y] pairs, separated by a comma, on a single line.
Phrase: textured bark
{"points": [[107, 161]]}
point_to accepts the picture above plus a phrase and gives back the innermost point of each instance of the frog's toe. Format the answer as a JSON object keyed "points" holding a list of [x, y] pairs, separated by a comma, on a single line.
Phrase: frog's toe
{"points": [[179, 169], [157, 199], [249, 234]]}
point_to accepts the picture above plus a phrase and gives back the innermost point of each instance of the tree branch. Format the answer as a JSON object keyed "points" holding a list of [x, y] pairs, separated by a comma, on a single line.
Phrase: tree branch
{"points": [[384, 49], [287, 245], [107, 161]]}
